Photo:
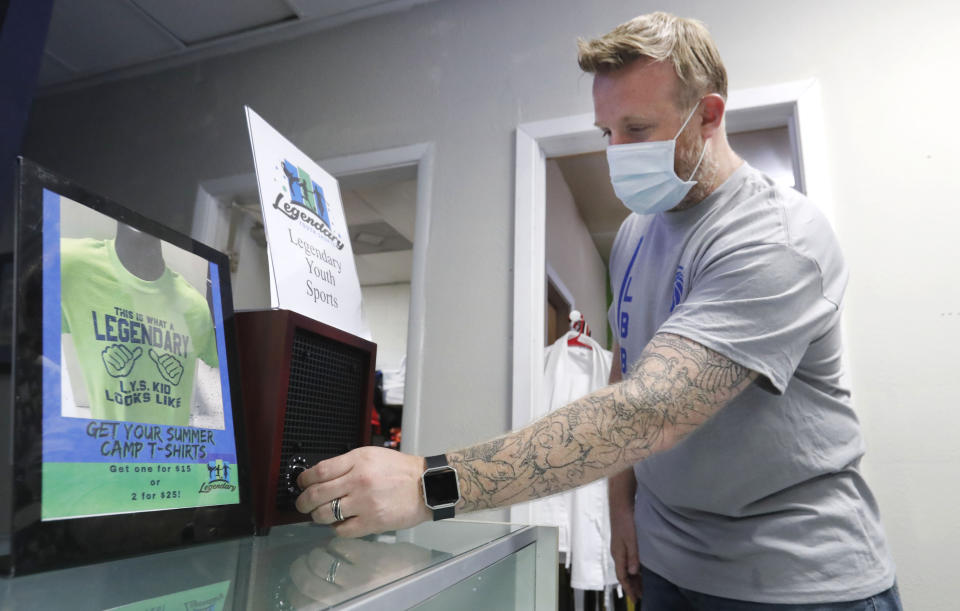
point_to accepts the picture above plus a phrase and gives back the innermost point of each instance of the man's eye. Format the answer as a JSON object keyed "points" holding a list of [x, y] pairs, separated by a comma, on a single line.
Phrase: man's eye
{"points": [[605, 133]]}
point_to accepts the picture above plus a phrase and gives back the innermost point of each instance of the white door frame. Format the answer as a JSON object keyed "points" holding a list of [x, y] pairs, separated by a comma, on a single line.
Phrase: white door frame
{"points": [[422, 156], [795, 105], [209, 216]]}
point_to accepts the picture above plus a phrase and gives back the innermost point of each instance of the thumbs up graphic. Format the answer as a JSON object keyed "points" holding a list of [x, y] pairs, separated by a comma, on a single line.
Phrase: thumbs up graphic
{"points": [[169, 367], [119, 360]]}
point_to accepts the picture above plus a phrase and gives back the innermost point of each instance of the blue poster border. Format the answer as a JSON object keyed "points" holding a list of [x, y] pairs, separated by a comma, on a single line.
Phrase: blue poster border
{"points": [[63, 437]]}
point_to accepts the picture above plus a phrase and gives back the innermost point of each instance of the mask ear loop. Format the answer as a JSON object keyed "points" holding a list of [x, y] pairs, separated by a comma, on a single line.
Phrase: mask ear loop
{"points": [[690, 116], [703, 150], [697, 167]]}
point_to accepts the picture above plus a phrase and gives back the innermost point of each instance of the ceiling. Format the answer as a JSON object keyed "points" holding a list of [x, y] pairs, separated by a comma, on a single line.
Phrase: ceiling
{"points": [[381, 218], [95, 41], [92, 41]]}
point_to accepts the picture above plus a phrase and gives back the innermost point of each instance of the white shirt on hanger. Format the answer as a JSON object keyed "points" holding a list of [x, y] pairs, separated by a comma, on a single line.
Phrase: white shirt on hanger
{"points": [[582, 514]]}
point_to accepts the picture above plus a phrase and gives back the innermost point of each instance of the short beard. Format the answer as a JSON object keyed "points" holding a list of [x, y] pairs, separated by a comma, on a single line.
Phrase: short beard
{"points": [[688, 152]]}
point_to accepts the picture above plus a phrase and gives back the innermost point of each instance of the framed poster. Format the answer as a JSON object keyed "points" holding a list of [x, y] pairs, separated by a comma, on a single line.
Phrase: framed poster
{"points": [[127, 430]]}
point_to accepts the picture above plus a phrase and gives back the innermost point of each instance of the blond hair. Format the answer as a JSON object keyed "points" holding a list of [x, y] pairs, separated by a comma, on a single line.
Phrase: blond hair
{"points": [[660, 37]]}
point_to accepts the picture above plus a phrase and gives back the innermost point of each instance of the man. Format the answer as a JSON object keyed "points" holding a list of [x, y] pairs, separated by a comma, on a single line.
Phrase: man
{"points": [[730, 442]]}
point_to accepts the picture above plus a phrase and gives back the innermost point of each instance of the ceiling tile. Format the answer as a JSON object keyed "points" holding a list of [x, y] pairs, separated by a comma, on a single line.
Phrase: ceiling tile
{"points": [[96, 36], [384, 267], [395, 203], [192, 21], [377, 237]]}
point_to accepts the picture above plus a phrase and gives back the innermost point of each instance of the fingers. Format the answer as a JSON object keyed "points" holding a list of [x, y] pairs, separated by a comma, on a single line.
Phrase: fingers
{"points": [[633, 563], [111, 353], [356, 551], [352, 528], [325, 512], [322, 484], [316, 577], [632, 588], [316, 500], [118, 359], [137, 352], [169, 367], [380, 489], [626, 565], [112, 359], [325, 470], [619, 554]]}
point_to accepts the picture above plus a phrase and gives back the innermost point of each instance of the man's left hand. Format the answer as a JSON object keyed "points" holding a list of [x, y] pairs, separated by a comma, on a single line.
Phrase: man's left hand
{"points": [[379, 490]]}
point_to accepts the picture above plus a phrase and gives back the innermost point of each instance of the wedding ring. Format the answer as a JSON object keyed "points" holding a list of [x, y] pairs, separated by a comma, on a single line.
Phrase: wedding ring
{"points": [[332, 571], [337, 516]]}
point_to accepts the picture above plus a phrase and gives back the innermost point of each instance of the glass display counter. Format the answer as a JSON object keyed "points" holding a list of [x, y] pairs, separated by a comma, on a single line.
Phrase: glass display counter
{"points": [[442, 565]]}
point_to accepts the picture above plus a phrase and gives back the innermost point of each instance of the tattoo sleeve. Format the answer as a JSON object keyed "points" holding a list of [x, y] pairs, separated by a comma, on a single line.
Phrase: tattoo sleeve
{"points": [[675, 385]]}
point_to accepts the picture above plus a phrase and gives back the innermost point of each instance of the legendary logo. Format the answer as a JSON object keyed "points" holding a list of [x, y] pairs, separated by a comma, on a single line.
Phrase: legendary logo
{"points": [[209, 604], [623, 318], [677, 287], [307, 203], [219, 473]]}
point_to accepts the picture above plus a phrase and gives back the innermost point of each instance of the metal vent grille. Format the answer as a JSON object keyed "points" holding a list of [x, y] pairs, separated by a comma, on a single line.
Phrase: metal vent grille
{"points": [[324, 402]]}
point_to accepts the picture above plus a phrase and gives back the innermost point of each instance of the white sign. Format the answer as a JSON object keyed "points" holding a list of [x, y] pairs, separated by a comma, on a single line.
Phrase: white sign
{"points": [[312, 270]]}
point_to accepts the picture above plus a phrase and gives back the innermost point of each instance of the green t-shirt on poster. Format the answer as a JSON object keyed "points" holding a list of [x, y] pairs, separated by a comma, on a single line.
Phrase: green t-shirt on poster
{"points": [[138, 341]]}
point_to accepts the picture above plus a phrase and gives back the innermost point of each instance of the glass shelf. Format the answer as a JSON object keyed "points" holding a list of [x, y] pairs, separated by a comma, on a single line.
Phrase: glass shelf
{"points": [[304, 566]]}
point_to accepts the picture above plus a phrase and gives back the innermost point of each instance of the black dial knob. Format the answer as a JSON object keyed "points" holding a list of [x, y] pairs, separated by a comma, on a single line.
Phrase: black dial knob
{"points": [[295, 466]]}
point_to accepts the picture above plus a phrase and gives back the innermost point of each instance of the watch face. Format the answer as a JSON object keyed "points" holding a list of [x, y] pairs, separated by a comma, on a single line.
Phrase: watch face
{"points": [[441, 487]]}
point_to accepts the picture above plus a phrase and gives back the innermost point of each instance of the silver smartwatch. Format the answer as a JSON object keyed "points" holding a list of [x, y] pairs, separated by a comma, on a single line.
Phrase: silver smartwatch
{"points": [[441, 487]]}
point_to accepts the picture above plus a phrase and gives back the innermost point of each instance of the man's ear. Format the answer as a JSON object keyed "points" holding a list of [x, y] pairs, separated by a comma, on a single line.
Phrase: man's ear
{"points": [[711, 114]]}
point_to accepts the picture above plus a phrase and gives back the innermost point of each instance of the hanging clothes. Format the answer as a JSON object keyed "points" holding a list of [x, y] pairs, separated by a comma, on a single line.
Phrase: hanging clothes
{"points": [[582, 514], [394, 383]]}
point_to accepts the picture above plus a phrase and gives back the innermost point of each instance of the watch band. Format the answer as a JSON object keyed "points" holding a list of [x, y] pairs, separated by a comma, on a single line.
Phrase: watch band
{"points": [[433, 462], [443, 514], [440, 460]]}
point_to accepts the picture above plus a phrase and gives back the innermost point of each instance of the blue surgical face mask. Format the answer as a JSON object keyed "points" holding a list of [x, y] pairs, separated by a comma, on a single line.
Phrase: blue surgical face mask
{"points": [[643, 176]]}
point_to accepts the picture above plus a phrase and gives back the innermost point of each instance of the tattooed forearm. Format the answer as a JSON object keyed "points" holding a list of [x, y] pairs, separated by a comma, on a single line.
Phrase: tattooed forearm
{"points": [[675, 385]]}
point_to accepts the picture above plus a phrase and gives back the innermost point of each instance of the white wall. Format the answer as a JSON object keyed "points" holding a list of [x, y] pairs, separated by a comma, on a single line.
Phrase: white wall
{"points": [[573, 255], [251, 281], [463, 74], [387, 308]]}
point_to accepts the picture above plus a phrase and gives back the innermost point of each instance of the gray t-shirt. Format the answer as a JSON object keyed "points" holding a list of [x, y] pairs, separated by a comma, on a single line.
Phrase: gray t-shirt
{"points": [[763, 502]]}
